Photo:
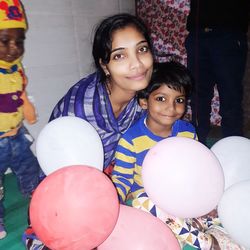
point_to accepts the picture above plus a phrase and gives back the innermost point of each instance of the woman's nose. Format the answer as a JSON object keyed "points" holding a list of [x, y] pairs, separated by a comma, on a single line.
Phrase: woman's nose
{"points": [[135, 62]]}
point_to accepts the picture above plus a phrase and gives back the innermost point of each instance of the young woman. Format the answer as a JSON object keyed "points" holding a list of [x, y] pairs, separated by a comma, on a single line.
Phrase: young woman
{"points": [[107, 98]]}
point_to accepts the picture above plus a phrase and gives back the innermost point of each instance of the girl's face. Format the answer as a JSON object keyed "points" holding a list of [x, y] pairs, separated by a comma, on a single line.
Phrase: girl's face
{"points": [[131, 62], [11, 44], [164, 106]]}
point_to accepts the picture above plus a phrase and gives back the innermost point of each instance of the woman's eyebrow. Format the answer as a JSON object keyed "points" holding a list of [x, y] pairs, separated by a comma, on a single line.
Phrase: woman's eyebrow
{"points": [[122, 48]]}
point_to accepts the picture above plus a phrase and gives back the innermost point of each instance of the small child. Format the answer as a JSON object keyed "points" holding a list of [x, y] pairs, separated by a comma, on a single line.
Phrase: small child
{"points": [[15, 141], [165, 100]]}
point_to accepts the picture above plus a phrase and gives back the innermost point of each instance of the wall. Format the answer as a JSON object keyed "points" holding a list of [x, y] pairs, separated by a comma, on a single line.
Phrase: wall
{"points": [[58, 47]]}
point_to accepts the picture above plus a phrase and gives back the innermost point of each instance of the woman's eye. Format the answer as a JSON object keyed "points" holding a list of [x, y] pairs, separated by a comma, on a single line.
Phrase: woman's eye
{"points": [[143, 49], [160, 99], [118, 57]]}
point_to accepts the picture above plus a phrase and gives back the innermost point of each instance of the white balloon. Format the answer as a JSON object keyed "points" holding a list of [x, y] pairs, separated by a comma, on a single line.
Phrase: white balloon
{"points": [[233, 153], [68, 141], [233, 211]]}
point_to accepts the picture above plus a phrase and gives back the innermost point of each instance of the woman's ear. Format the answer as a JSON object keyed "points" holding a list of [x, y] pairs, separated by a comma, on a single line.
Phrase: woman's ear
{"points": [[104, 68], [143, 102]]}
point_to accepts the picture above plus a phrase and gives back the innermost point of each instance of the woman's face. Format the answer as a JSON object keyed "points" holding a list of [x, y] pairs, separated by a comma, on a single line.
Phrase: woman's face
{"points": [[131, 62]]}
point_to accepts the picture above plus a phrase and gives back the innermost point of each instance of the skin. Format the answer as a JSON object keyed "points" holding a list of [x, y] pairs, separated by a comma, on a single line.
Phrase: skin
{"points": [[165, 106], [11, 44], [130, 67]]}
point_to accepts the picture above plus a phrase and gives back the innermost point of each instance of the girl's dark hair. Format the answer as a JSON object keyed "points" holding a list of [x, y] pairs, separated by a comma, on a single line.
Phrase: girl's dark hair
{"points": [[175, 75], [102, 43]]}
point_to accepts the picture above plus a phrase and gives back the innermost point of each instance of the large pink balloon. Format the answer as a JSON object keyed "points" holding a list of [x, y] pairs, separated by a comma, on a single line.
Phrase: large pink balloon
{"points": [[74, 208], [139, 230], [183, 177]]}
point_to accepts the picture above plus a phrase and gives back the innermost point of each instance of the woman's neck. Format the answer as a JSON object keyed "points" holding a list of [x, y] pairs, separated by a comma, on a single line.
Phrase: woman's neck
{"points": [[119, 99]]}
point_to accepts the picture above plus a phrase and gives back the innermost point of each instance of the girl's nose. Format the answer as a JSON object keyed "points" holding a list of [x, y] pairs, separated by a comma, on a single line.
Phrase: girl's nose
{"points": [[170, 106]]}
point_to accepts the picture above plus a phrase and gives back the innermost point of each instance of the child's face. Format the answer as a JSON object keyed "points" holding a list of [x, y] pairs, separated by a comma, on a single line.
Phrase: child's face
{"points": [[11, 44], [164, 106]]}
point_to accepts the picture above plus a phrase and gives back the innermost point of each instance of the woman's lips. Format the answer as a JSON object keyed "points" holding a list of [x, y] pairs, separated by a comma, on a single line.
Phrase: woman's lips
{"points": [[137, 77]]}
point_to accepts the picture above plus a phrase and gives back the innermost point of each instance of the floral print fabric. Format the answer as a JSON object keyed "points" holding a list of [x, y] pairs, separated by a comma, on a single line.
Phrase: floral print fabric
{"points": [[166, 20]]}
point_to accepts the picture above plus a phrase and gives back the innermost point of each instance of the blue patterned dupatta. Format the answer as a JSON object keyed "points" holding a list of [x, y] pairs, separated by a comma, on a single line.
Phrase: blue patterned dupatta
{"points": [[89, 100]]}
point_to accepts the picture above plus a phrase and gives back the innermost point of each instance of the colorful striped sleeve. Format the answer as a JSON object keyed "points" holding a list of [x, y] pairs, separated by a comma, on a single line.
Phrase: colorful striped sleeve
{"points": [[123, 172]]}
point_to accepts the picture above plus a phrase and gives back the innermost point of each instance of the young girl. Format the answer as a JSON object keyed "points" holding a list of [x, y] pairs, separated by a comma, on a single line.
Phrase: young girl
{"points": [[165, 100]]}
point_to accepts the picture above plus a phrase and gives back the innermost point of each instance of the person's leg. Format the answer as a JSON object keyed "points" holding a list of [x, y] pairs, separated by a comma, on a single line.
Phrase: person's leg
{"points": [[4, 160], [198, 62], [230, 61], [24, 164], [2, 229], [28, 173]]}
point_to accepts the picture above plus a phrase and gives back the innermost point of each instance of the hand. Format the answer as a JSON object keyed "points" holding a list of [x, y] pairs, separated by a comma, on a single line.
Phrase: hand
{"points": [[215, 244], [212, 214], [197, 224], [29, 111]]}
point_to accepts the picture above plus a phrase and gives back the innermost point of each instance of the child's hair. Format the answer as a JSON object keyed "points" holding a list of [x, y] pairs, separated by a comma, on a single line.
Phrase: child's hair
{"points": [[102, 43], [175, 75]]}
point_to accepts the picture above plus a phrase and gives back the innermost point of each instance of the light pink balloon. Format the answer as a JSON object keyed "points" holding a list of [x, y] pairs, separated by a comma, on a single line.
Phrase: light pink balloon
{"points": [[74, 208], [183, 177], [139, 230]]}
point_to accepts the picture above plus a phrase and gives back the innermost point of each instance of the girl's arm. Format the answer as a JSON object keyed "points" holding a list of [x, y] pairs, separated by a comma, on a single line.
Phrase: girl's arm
{"points": [[123, 172]]}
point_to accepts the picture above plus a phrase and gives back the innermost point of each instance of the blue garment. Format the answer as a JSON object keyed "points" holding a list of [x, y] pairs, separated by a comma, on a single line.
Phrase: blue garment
{"points": [[89, 100], [17, 155], [131, 151]]}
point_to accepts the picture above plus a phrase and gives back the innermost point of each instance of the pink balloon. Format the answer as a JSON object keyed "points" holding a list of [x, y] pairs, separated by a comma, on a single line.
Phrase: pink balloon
{"points": [[183, 177], [139, 230], [74, 208]]}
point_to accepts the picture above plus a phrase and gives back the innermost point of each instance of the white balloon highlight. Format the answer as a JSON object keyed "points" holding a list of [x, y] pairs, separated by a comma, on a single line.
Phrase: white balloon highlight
{"points": [[68, 141]]}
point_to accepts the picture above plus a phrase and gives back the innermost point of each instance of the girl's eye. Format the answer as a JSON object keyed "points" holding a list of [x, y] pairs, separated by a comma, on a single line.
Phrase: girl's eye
{"points": [[180, 100], [160, 99], [143, 49]]}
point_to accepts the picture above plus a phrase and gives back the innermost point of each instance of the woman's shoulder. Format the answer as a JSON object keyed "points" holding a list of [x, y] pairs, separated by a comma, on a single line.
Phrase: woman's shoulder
{"points": [[85, 87], [91, 80], [79, 95]]}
